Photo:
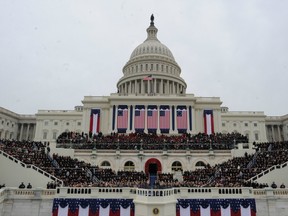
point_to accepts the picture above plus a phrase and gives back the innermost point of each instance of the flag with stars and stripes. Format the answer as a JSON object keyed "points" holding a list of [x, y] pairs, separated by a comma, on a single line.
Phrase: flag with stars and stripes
{"points": [[94, 121], [216, 207], [152, 118], [164, 118], [92, 207], [139, 118], [208, 122], [181, 117], [122, 118]]}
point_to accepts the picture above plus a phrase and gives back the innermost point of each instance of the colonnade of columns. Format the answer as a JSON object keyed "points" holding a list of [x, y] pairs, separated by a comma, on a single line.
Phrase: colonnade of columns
{"points": [[131, 128], [6, 134], [152, 86], [274, 133], [26, 131]]}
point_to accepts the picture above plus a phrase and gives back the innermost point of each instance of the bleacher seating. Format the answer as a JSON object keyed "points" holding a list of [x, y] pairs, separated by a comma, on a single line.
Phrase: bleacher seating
{"points": [[232, 173]]}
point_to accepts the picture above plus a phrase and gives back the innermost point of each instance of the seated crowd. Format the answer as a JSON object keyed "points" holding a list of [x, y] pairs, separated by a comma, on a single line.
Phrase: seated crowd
{"points": [[235, 172], [150, 141]]}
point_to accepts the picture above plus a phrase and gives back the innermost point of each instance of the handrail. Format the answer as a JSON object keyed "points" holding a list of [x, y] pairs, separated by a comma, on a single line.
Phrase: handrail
{"points": [[31, 166], [264, 172]]}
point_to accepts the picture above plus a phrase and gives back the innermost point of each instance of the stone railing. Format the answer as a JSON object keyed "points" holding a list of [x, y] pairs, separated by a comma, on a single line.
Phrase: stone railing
{"points": [[134, 193], [97, 192], [17, 193], [181, 192], [3, 193], [264, 172], [270, 192]]}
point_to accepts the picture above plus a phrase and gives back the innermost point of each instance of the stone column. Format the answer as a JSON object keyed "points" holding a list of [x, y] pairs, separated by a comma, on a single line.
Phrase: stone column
{"points": [[115, 114], [173, 88], [129, 117], [129, 87], [154, 86], [188, 127], [158, 119], [136, 87], [170, 126], [21, 132], [149, 86], [28, 128], [273, 135], [133, 124], [125, 87], [145, 120], [175, 114], [33, 131], [279, 133], [142, 87]]}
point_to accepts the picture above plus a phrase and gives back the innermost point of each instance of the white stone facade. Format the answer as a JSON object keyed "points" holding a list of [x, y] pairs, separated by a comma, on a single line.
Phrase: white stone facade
{"points": [[16, 126]]}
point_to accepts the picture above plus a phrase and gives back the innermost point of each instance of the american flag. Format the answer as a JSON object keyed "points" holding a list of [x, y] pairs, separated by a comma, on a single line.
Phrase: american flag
{"points": [[94, 121], [139, 117], [93, 207], [148, 78], [164, 117], [181, 118], [152, 117], [216, 207], [122, 117], [208, 122]]}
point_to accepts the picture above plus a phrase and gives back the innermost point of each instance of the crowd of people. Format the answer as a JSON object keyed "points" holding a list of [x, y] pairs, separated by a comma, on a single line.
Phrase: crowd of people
{"points": [[150, 141], [235, 172], [29, 152], [238, 170]]}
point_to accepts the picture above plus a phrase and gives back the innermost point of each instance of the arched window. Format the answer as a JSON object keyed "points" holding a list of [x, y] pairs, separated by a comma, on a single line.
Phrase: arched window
{"points": [[176, 166], [200, 164], [129, 166], [105, 164]]}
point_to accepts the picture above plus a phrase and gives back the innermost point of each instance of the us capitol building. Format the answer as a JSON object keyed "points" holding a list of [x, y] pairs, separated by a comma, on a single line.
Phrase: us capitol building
{"points": [[151, 82], [151, 98]]}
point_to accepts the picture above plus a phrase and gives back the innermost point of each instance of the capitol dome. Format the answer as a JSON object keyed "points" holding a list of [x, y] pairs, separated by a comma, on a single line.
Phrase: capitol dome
{"points": [[152, 46], [154, 60]]}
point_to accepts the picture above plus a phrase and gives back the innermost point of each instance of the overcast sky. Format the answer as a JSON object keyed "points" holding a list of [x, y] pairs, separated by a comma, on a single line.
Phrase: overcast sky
{"points": [[55, 52]]}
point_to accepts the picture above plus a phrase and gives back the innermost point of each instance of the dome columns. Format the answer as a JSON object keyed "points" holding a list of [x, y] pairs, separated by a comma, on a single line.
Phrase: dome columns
{"points": [[153, 86]]}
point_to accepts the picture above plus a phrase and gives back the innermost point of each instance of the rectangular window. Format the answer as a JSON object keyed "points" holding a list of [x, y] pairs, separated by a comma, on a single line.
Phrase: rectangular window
{"points": [[223, 124], [255, 124], [256, 136], [46, 123], [54, 135], [55, 123], [45, 135], [247, 135], [246, 124]]}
